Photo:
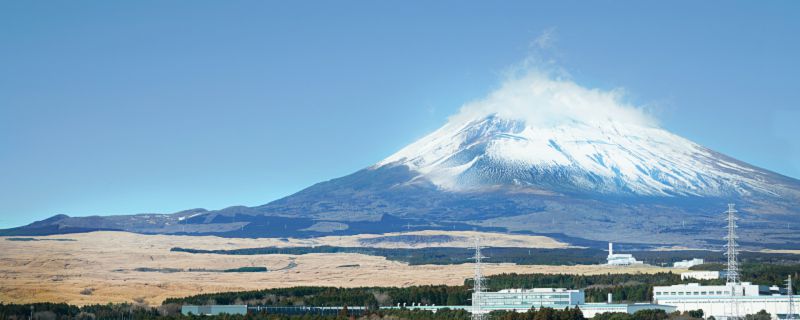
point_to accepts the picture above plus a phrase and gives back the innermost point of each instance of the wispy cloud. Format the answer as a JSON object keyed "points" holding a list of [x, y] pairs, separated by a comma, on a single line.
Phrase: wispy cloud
{"points": [[545, 40]]}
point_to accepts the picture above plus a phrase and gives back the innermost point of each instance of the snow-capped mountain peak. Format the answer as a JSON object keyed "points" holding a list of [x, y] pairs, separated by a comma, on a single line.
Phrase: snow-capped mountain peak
{"points": [[547, 134]]}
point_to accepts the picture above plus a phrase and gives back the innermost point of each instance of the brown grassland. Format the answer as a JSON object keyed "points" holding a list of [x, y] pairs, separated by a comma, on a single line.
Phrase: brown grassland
{"points": [[99, 267]]}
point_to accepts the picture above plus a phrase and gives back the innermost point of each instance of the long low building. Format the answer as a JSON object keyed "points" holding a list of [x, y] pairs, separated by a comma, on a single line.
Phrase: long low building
{"points": [[527, 298], [726, 301], [736, 307], [695, 289], [213, 310], [522, 300]]}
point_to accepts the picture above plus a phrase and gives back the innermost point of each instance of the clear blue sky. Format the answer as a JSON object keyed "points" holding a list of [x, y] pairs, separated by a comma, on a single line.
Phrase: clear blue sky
{"points": [[110, 107]]}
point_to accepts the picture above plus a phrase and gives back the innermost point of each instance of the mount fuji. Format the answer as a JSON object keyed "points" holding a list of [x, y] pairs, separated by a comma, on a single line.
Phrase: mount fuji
{"points": [[537, 155]]}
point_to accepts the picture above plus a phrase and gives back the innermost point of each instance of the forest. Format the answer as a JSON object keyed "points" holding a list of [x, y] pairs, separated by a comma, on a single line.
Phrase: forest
{"points": [[523, 256], [625, 287]]}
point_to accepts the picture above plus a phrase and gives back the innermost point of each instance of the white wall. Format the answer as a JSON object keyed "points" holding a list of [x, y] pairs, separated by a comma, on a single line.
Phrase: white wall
{"points": [[722, 307]]}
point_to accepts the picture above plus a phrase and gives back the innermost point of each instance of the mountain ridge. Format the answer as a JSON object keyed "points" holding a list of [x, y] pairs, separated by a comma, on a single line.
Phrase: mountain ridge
{"points": [[537, 156]]}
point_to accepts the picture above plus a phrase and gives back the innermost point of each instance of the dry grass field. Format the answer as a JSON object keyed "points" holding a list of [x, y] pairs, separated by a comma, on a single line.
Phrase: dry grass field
{"points": [[99, 267]]}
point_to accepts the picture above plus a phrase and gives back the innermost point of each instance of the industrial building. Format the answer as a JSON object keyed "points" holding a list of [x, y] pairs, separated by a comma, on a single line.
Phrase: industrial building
{"points": [[213, 310], [724, 301], [522, 300], [726, 290], [686, 264], [620, 259], [532, 297], [722, 306]]}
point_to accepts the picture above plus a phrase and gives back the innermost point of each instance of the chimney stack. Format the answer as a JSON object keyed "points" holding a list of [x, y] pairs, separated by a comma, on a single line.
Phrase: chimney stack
{"points": [[610, 248]]}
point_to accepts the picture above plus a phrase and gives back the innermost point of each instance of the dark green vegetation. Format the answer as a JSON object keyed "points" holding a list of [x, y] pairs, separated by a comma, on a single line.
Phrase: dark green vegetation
{"points": [[625, 287], [651, 315], [58, 311], [50, 311], [410, 239], [541, 314], [438, 255], [173, 270], [35, 239], [247, 269], [575, 314], [761, 315], [449, 255], [372, 297]]}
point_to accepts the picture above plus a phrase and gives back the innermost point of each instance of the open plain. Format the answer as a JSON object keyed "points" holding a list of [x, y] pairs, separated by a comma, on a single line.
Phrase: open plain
{"points": [[102, 267]]}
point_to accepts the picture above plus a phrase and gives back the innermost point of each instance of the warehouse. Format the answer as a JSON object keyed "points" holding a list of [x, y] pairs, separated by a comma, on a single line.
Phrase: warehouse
{"points": [[725, 301], [733, 306]]}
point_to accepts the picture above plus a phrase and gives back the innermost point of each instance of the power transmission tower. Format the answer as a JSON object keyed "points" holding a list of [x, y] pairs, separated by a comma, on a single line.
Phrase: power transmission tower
{"points": [[477, 290], [732, 272]]}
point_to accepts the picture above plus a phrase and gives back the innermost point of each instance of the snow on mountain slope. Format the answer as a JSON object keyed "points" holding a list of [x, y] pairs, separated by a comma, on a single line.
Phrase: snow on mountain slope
{"points": [[555, 135]]}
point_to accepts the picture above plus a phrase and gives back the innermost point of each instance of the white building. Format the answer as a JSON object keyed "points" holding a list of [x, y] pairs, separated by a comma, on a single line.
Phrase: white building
{"points": [[213, 310], [695, 290], [686, 264], [620, 259], [701, 275], [522, 300], [725, 301]]}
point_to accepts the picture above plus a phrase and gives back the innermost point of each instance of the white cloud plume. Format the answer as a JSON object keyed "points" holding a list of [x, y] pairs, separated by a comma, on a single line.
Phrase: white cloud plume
{"points": [[546, 99]]}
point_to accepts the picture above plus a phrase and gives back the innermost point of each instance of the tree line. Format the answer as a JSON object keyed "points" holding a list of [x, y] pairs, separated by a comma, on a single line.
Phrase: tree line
{"points": [[625, 287]]}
